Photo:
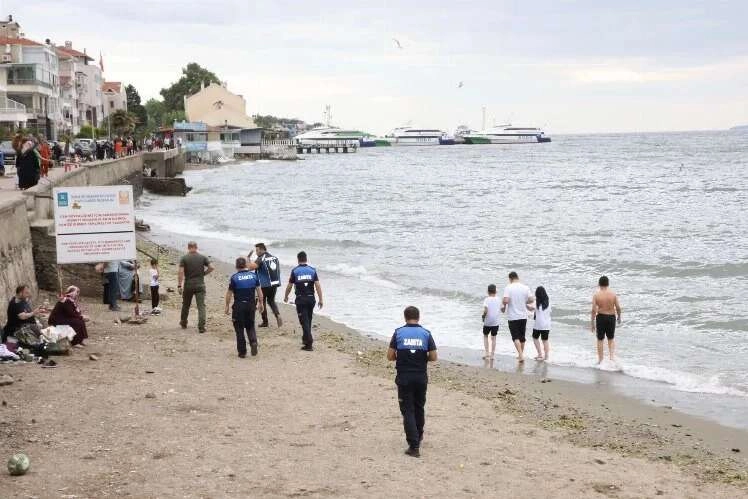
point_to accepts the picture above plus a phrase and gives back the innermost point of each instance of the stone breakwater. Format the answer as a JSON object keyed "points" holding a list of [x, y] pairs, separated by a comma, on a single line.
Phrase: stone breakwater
{"points": [[27, 239]]}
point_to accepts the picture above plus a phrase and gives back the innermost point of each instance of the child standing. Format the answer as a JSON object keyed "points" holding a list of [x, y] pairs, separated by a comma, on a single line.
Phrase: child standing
{"points": [[542, 326], [491, 317], [154, 287]]}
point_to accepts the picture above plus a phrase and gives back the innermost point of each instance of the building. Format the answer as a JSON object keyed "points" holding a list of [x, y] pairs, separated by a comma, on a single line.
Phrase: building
{"points": [[30, 72], [115, 97], [215, 106], [88, 80]]}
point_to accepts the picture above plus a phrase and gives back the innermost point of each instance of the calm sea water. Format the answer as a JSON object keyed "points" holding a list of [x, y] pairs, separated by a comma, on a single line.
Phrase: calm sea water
{"points": [[662, 214]]}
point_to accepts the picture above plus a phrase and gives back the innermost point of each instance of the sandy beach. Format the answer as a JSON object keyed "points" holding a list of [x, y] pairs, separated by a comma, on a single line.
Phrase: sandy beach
{"points": [[167, 412]]}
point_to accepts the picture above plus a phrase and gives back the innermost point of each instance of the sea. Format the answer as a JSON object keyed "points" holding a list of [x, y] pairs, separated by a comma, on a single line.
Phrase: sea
{"points": [[662, 214]]}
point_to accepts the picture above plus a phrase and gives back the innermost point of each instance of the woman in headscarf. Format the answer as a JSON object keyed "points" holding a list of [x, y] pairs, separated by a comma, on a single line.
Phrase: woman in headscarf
{"points": [[28, 165], [67, 313]]}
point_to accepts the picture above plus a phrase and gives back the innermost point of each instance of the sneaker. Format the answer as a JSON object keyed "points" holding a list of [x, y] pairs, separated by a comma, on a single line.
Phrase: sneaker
{"points": [[413, 452], [253, 349], [183, 325], [115, 309], [307, 348], [264, 324], [279, 320], [202, 331], [49, 364]]}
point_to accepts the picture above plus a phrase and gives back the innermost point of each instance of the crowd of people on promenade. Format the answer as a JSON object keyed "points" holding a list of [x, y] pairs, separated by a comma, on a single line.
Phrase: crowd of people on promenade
{"points": [[35, 155]]}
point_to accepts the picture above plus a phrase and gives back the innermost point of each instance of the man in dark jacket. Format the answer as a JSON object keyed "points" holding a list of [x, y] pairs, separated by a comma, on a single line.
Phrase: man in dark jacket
{"points": [[28, 165]]}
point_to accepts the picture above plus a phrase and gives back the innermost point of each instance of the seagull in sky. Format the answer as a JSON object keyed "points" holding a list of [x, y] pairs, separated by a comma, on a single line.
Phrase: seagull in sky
{"points": [[397, 42], [460, 85]]}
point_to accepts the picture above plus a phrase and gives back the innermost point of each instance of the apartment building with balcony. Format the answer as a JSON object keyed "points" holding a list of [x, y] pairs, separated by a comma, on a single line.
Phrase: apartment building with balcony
{"points": [[115, 97], [83, 87]]}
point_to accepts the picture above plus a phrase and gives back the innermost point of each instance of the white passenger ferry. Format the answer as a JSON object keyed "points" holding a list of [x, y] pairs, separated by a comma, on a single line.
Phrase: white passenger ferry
{"points": [[507, 134]]}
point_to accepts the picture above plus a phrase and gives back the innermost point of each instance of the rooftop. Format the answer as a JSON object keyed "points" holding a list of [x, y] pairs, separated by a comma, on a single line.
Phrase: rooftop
{"points": [[4, 40], [112, 86], [71, 52]]}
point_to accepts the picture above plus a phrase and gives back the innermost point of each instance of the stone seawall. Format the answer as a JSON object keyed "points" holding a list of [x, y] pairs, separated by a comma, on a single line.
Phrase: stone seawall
{"points": [[16, 256]]}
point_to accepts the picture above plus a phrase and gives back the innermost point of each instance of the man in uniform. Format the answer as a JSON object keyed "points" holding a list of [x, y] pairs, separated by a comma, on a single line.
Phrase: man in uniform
{"points": [[243, 286], [268, 271], [412, 348], [193, 267], [305, 281]]}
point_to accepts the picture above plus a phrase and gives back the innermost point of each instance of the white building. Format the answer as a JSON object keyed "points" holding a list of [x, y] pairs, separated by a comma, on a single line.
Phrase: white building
{"points": [[88, 80], [115, 97]]}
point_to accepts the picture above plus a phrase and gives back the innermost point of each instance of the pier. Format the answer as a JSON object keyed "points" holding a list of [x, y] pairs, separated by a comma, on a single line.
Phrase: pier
{"points": [[329, 147]]}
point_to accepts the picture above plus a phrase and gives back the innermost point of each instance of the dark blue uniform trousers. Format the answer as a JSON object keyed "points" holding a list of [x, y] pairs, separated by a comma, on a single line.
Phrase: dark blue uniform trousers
{"points": [[305, 311], [411, 394], [243, 316]]}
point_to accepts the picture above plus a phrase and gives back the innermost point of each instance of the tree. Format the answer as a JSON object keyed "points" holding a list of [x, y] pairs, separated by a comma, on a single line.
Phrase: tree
{"points": [[135, 107], [192, 80], [123, 122], [155, 114]]}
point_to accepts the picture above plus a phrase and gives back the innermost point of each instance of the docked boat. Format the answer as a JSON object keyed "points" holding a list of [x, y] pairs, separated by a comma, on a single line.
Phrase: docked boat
{"points": [[408, 136], [507, 134], [330, 136]]}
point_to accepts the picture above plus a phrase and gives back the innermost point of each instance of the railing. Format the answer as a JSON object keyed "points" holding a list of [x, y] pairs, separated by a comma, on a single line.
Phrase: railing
{"points": [[279, 142], [11, 106]]}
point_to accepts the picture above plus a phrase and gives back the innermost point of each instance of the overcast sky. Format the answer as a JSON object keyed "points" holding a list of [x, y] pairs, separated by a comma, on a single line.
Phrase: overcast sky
{"points": [[569, 66]]}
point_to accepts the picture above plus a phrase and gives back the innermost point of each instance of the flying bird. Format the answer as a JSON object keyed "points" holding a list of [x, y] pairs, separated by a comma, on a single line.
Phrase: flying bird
{"points": [[460, 85], [397, 42]]}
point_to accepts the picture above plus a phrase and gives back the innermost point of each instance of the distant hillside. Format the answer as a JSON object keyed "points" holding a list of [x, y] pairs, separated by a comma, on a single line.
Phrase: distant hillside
{"points": [[740, 128]]}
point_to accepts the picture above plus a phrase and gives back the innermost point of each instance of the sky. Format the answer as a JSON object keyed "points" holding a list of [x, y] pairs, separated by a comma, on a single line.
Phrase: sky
{"points": [[586, 66]]}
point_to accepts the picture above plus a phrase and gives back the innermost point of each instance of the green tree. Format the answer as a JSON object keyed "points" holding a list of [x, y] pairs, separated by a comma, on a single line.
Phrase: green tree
{"points": [[193, 78], [123, 122], [155, 114], [135, 107]]}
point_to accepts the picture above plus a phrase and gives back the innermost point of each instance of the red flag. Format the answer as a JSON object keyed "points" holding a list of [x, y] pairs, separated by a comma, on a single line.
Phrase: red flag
{"points": [[101, 62]]}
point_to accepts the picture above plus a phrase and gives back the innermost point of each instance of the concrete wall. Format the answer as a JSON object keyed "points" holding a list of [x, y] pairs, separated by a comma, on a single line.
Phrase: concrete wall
{"points": [[16, 256], [167, 163]]}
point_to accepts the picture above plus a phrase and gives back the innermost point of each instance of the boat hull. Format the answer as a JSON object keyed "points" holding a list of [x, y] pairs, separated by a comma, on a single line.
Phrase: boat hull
{"points": [[505, 139]]}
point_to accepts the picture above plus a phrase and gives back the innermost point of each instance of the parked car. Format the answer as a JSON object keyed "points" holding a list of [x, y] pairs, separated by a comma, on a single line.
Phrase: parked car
{"points": [[9, 153], [84, 148]]}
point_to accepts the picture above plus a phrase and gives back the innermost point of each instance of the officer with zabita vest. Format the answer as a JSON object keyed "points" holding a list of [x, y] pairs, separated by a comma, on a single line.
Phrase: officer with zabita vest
{"points": [[412, 347], [305, 281], [244, 286], [268, 270]]}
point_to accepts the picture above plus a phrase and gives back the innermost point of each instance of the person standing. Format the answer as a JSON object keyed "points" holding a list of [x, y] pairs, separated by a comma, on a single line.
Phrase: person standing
{"points": [[411, 348], [491, 319], [605, 309], [45, 154], [305, 281], [542, 325], [111, 275], [193, 267], [245, 288], [154, 287], [28, 165], [517, 300], [268, 271]]}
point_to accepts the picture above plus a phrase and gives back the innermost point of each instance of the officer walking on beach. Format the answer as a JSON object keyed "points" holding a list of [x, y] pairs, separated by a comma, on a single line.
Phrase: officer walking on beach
{"points": [[193, 267], [305, 281], [268, 271], [243, 286], [412, 347]]}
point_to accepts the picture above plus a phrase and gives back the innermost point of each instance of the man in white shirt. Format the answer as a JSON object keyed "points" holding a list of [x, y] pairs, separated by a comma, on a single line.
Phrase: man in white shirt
{"points": [[518, 299]]}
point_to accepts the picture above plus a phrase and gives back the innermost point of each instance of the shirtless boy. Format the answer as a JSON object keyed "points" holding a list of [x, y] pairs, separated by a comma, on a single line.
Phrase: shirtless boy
{"points": [[605, 311]]}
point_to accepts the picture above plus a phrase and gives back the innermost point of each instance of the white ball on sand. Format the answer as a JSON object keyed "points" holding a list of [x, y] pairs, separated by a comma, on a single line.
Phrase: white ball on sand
{"points": [[18, 464]]}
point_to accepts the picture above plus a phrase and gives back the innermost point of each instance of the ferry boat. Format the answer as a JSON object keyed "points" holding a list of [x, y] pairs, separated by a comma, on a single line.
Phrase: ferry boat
{"points": [[507, 134], [330, 136], [408, 136]]}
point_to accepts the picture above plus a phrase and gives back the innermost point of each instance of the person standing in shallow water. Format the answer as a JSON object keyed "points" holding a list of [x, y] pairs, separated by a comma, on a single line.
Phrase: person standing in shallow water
{"points": [[305, 281], [411, 348], [542, 325], [518, 299], [605, 310]]}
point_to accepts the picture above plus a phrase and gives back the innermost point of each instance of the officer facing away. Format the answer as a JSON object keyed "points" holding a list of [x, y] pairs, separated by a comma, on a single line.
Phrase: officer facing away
{"points": [[268, 270], [305, 281], [243, 286], [412, 347]]}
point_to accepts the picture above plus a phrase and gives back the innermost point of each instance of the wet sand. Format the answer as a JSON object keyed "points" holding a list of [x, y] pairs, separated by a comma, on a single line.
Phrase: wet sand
{"points": [[167, 412]]}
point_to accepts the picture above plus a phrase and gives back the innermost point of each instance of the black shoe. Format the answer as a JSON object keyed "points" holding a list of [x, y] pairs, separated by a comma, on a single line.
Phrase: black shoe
{"points": [[183, 325], [307, 348], [115, 309], [264, 324], [253, 349], [413, 452], [242, 355], [202, 331]]}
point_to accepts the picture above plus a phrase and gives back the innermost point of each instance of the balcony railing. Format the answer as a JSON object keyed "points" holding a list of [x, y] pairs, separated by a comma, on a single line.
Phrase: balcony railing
{"points": [[11, 106]]}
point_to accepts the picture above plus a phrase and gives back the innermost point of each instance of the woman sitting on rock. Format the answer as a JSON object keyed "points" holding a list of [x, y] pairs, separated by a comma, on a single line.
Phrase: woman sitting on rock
{"points": [[67, 313]]}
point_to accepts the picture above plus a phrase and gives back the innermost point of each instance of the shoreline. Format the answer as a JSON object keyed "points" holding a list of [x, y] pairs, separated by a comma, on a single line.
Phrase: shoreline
{"points": [[591, 415], [169, 412], [722, 409]]}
